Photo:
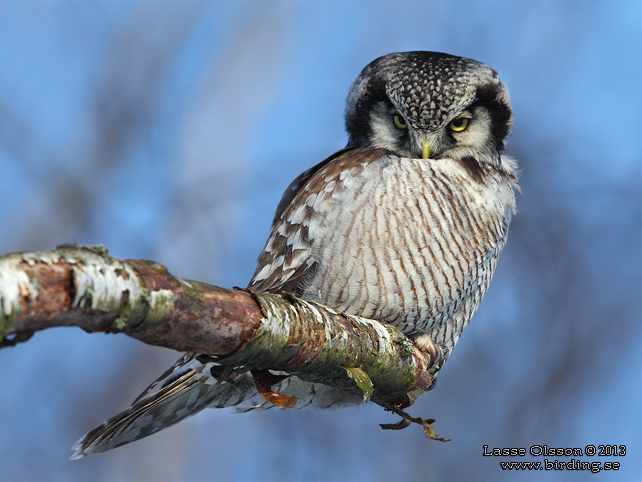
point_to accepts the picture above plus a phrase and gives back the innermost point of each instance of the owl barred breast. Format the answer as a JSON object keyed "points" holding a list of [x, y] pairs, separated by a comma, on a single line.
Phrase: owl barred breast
{"points": [[404, 225]]}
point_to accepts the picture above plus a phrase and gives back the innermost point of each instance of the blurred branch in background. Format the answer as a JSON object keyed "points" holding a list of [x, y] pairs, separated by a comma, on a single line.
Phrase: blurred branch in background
{"points": [[121, 101], [571, 312]]}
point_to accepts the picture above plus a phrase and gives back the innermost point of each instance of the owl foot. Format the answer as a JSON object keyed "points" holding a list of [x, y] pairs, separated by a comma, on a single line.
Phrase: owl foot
{"points": [[433, 350]]}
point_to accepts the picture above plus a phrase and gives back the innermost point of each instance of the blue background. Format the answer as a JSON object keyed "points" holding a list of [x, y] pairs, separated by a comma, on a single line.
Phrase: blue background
{"points": [[168, 130]]}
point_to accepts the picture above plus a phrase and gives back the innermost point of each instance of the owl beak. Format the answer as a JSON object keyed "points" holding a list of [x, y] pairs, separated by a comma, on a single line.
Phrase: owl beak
{"points": [[425, 149]]}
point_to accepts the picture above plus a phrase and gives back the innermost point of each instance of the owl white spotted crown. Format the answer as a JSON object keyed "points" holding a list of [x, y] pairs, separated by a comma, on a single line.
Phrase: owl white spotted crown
{"points": [[427, 89]]}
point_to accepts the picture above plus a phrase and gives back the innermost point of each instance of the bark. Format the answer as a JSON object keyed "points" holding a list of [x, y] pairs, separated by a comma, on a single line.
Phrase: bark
{"points": [[86, 287]]}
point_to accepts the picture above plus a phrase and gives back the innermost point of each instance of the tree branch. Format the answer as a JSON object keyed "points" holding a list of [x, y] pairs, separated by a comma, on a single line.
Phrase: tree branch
{"points": [[85, 287]]}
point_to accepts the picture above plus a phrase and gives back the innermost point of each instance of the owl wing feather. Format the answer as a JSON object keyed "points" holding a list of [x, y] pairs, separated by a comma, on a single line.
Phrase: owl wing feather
{"points": [[295, 186], [286, 263]]}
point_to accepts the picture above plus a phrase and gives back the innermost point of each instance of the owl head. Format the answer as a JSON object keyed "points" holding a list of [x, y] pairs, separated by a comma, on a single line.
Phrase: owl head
{"points": [[429, 105]]}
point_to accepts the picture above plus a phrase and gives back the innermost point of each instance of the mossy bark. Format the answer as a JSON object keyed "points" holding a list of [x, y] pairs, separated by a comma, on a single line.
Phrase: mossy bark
{"points": [[86, 287]]}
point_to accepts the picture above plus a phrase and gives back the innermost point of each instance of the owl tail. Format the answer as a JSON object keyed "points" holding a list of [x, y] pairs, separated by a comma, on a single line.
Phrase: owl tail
{"points": [[196, 382], [191, 385]]}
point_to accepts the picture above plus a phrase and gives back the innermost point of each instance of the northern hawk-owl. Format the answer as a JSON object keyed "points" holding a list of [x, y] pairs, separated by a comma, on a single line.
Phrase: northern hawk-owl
{"points": [[404, 225]]}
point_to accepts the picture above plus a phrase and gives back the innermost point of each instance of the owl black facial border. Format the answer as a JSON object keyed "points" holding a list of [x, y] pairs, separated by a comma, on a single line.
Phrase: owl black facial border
{"points": [[427, 89]]}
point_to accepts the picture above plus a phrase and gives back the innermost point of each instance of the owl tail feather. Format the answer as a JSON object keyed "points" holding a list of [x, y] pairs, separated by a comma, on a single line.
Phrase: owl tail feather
{"points": [[196, 382], [186, 389]]}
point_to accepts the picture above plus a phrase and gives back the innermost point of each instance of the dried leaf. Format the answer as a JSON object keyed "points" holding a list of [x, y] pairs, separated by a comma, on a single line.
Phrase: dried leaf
{"points": [[280, 400], [430, 432], [264, 381]]}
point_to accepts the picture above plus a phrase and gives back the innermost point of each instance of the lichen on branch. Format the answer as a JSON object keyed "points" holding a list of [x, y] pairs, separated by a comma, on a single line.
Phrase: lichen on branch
{"points": [[86, 287]]}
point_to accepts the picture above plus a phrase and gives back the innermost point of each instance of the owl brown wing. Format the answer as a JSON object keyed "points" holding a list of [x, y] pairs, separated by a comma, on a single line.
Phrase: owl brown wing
{"points": [[286, 263], [295, 186]]}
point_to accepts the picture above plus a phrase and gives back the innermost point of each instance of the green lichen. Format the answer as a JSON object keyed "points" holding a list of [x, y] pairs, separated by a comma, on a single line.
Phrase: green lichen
{"points": [[161, 305], [194, 291], [73, 249], [133, 316], [268, 344], [7, 320], [86, 299]]}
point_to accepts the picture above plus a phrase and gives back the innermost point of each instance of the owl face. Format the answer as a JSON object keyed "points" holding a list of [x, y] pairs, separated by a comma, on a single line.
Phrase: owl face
{"points": [[429, 105]]}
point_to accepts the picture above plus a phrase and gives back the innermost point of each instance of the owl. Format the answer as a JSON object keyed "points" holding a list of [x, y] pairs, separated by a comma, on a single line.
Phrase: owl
{"points": [[404, 225]]}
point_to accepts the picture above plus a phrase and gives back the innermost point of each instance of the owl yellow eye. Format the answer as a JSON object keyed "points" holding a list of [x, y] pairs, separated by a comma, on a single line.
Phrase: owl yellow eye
{"points": [[399, 122], [458, 124]]}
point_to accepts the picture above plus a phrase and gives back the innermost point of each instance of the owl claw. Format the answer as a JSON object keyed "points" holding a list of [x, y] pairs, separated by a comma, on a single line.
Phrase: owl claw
{"points": [[433, 350]]}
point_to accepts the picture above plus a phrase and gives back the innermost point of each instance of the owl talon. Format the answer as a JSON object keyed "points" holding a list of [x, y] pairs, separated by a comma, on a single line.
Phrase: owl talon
{"points": [[434, 351]]}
